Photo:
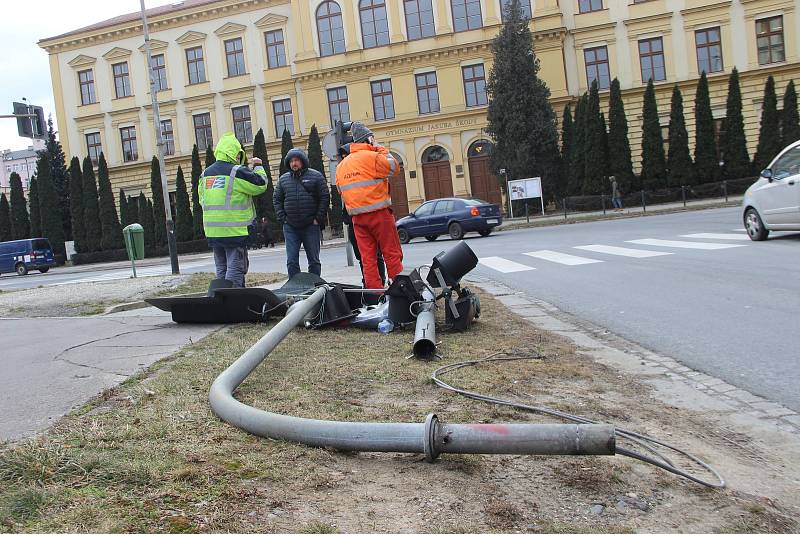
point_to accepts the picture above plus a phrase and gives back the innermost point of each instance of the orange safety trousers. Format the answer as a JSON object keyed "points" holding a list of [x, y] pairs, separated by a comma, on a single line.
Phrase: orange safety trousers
{"points": [[376, 230]]}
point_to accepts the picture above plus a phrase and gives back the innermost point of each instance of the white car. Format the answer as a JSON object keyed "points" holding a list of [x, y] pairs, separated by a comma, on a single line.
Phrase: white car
{"points": [[773, 202]]}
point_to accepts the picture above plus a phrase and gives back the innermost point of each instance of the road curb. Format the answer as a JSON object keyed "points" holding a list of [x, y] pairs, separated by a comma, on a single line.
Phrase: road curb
{"points": [[127, 306]]}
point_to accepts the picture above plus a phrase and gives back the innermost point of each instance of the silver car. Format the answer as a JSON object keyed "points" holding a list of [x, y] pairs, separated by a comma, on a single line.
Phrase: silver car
{"points": [[773, 202]]}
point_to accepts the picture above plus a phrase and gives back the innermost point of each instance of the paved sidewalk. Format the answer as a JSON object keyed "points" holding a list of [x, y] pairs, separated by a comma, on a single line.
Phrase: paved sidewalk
{"points": [[633, 211]]}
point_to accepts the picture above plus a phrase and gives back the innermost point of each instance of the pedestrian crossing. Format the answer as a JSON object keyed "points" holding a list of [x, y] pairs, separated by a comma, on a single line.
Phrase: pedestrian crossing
{"points": [[600, 253]]}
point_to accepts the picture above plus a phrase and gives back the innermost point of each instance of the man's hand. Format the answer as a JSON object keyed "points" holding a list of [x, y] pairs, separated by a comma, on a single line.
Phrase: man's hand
{"points": [[256, 161]]}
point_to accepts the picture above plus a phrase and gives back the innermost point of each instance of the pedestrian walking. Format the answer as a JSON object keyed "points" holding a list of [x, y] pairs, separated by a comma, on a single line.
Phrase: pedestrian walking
{"points": [[301, 202], [616, 196], [363, 181], [226, 193]]}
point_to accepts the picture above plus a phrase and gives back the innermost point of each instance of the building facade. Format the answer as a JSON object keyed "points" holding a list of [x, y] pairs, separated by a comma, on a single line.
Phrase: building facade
{"points": [[414, 70], [22, 162]]}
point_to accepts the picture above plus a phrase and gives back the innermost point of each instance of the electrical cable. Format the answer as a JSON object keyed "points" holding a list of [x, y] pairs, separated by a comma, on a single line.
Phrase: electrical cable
{"points": [[640, 439]]}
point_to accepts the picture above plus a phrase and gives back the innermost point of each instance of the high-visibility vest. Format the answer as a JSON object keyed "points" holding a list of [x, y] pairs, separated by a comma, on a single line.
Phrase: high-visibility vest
{"points": [[227, 203], [363, 178]]}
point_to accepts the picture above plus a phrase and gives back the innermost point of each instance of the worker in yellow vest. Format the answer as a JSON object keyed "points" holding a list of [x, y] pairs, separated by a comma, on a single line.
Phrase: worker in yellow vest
{"points": [[226, 190]]}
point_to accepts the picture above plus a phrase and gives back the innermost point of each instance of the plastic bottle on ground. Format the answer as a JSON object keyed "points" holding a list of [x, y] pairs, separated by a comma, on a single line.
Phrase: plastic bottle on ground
{"points": [[385, 326]]}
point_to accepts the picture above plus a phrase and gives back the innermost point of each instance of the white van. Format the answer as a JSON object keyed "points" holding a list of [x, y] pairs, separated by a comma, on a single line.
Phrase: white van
{"points": [[773, 202]]}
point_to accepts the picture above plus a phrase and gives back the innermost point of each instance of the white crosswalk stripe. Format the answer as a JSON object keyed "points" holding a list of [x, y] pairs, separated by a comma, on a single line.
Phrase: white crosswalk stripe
{"points": [[560, 257], [503, 265], [729, 237], [623, 251], [682, 244]]}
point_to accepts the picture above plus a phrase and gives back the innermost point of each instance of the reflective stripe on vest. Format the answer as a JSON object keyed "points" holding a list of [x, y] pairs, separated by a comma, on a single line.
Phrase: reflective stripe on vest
{"points": [[372, 207], [362, 183], [228, 195], [223, 224]]}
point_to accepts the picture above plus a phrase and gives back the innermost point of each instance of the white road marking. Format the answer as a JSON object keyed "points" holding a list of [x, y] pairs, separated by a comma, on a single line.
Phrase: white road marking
{"points": [[740, 229], [503, 265], [559, 257], [730, 237], [622, 251], [682, 244]]}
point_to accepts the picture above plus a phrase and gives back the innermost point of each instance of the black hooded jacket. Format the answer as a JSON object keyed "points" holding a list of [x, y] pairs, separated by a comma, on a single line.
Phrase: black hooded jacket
{"points": [[302, 196]]}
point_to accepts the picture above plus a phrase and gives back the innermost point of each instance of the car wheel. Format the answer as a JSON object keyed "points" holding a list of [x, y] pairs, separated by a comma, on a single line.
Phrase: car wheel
{"points": [[456, 231], [21, 269], [402, 233], [754, 225], [431, 237], [44, 269], [485, 233]]}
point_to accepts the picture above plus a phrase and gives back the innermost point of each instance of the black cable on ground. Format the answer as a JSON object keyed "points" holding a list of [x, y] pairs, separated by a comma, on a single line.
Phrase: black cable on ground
{"points": [[640, 439]]}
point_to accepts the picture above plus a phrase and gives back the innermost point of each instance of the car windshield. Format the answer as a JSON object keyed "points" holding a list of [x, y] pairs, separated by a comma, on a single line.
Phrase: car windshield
{"points": [[40, 244], [475, 202]]}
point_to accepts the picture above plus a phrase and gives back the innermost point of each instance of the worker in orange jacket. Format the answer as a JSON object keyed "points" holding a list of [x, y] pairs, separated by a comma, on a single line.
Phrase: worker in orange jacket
{"points": [[363, 182]]}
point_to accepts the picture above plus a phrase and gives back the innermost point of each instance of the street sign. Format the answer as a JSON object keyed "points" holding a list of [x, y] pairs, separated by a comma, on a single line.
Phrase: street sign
{"points": [[524, 189], [329, 147]]}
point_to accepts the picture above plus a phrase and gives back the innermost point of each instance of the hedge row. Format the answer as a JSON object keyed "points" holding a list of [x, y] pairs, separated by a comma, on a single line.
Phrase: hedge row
{"points": [[104, 256]]}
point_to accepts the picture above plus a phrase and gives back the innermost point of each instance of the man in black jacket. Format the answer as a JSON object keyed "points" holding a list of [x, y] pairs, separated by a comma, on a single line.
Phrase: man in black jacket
{"points": [[301, 202]]}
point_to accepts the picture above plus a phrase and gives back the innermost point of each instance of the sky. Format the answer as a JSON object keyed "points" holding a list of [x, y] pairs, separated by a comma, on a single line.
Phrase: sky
{"points": [[26, 67]]}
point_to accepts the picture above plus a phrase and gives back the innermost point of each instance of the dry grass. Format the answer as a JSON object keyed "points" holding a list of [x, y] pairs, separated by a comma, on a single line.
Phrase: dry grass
{"points": [[150, 456]]}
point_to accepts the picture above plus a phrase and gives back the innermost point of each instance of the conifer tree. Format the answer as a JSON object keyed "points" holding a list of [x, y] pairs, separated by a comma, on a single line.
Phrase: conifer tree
{"points": [[60, 178], [76, 204], [5, 219], [146, 220], [706, 161], [736, 161], [567, 128], [184, 227], [91, 208], [210, 157], [159, 215], [133, 210], [594, 146], [679, 161], [577, 167], [790, 121], [769, 136], [33, 206], [52, 224], [109, 221], [20, 221], [619, 146], [520, 117], [286, 145], [264, 206], [124, 210], [197, 209], [654, 174]]}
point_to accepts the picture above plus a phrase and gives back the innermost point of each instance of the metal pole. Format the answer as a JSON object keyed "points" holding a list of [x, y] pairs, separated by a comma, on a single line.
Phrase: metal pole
{"points": [[644, 203], [542, 201], [683, 194], [348, 247], [603, 200], [431, 437], [564, 202], [527, 213], [725, 189], [171, 242]]}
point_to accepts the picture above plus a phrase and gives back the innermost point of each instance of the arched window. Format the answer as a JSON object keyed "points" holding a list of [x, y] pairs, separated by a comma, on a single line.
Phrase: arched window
{"points": [[480, 148], [419, 19], [466, 14], [524, 5], [398, 159], [330, 29], [374, 24], [435, 153]]}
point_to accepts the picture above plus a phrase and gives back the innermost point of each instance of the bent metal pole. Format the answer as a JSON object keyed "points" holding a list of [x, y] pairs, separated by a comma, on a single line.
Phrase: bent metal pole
{"points": [[431, 437]]}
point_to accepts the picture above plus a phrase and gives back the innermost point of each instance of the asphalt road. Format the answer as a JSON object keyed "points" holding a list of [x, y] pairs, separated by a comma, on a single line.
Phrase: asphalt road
{"points": [[717, 302]]}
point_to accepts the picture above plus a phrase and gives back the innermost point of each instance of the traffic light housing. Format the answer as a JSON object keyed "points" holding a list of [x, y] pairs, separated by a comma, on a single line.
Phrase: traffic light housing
{"points": [[343, 136], [33, 127]]}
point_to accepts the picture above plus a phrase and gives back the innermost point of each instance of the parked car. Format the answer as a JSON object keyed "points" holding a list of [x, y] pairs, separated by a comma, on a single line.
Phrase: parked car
{"points": [[773, 202], [453, 216], [26, 255]]}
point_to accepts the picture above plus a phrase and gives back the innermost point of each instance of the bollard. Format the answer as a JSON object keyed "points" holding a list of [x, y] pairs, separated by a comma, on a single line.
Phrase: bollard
{"points": [[725, 189], [527, 214], [603, 200], [683, 194], [564, 201], [644, 203]]}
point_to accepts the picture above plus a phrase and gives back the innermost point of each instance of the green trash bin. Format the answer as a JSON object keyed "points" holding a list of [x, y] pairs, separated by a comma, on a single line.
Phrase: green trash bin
{"points": [[134, 241]]}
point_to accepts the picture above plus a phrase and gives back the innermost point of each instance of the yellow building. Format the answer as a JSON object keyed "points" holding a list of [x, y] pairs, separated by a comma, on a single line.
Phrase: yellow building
{"points": [[413, 70]]}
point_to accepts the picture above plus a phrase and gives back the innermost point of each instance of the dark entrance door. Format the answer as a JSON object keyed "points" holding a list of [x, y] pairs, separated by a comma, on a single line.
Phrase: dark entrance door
{"points": [[484, 184], [436, 173], [397, 188]]}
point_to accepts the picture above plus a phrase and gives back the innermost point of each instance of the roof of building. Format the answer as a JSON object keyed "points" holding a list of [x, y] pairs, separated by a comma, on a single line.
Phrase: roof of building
{"points": [[131, 17], [19, 154]]}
